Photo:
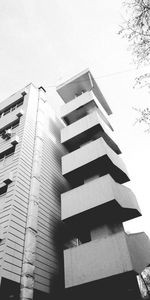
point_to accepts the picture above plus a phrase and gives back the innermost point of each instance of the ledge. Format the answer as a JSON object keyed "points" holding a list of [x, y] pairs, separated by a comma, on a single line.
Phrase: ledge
{"points": [[80, 83], [99, 200], [94, 158]]}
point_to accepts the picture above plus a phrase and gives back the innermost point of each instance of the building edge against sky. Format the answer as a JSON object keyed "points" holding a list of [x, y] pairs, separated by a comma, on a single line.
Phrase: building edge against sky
{"points": [[97, 251], [94, 202]]}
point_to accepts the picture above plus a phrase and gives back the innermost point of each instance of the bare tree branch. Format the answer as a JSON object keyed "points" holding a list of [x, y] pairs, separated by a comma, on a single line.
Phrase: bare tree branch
{"points": [[136, 29]]}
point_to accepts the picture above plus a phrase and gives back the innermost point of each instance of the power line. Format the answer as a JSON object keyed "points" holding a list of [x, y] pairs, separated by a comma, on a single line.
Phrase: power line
{"points": [[98, 77]]}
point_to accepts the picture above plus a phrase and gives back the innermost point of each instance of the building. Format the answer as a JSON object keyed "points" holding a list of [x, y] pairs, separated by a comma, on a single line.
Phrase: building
{"points": [[101, 261], [30, 187]]}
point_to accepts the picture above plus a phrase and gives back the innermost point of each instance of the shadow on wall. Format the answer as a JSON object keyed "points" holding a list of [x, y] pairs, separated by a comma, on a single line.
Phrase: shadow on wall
{"points": [[9, 290]]}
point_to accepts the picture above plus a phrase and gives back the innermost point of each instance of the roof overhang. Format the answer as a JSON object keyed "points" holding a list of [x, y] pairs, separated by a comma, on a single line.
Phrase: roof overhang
{"points": [[79, 84]]}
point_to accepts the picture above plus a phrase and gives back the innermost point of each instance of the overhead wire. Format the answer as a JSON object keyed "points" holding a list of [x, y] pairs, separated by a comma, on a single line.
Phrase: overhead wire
{"points": [[98, 77]]}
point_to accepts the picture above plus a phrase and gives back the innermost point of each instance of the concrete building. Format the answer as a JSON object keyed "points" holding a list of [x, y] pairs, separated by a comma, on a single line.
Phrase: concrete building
{"points": [[101, 261], [30, 187]]}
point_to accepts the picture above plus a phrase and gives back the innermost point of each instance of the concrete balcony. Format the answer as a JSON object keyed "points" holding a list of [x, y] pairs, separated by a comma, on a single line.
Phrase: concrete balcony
{"points": [[106, 257], [88, 128], [139, 248], [80, 107], [80, 84], [99, 200], [93, 158]]}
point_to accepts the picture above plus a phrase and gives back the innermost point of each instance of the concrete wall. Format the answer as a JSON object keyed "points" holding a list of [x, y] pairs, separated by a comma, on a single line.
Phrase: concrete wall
{"points": [[48, 260], [103, 257], [13, 212], [88, 153], [139, 248], [83, 103], [78, 130], [97, 192]]}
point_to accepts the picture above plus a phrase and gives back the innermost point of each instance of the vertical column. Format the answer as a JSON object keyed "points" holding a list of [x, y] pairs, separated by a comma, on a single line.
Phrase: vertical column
{"points": [[27, 278]]}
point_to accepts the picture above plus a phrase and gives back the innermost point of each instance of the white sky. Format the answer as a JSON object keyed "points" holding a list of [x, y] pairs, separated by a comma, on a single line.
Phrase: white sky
{"points": [[46, 42]]}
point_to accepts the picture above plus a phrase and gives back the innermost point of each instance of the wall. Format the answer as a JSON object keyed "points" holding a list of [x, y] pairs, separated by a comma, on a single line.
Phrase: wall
{"points": [[48, 271]]}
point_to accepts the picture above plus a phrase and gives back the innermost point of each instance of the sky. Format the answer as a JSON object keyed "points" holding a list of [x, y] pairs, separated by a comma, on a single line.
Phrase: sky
{"points": [[46, 42]]}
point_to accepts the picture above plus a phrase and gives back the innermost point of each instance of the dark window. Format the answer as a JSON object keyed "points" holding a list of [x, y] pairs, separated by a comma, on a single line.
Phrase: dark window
{"points": [[20, 103], [3, 132], [3, 190], [6, 112], [12, 107], [9, 290], [84, 236], [8, 153]]}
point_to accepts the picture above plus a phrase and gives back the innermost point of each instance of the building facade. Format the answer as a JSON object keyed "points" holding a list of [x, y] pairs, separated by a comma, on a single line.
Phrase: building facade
{"points": [[101, 261], [76, 246], [30, 187]]}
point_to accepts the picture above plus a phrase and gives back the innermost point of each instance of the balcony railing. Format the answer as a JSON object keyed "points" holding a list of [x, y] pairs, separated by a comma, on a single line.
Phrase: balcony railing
{"points": [[101, 198], [85, 129], [80, 84], [81, 106], [139, 248], [93, 158], [106, 257]]}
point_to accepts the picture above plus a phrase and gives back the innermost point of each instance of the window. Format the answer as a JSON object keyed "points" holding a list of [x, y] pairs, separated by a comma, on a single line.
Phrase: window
{"points": [[15, 124], [7, 156], [3, 190], [19, 103], [7, 153], [6, 112], [3, 132], [12, 107]]}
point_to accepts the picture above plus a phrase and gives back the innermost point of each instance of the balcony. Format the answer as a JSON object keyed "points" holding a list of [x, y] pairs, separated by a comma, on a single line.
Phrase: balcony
{"points": [[79, 84], [139, 248], [81, 106], [93, 158], [101, 199], [7, 146], [106, 257], [9, 118], [88, 128]]}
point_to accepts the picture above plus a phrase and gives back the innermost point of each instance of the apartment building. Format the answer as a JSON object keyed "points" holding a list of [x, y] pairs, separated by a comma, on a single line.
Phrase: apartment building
{"points": [[30, 187], [101, 261]]}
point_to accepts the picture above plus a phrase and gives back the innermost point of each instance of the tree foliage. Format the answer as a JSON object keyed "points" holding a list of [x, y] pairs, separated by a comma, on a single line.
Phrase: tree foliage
{"points": [[143, 117], [136, 29], [144, 283]]}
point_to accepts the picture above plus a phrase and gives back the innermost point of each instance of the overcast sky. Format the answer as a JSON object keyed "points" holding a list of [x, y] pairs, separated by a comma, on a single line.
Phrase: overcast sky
{"points": [[46, 42]]}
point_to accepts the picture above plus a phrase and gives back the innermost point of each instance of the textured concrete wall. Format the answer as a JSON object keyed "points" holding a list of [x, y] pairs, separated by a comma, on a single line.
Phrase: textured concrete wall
{"points": [[105, 256], [30, 210], [27, 279], [97, 192], [139, 248], [13, 209], [48, 261], [88, 153]]}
